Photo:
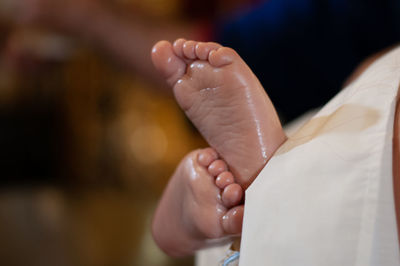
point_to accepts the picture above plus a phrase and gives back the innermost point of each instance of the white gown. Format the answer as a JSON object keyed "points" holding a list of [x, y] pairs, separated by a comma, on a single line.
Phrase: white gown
{"points": [[326, 197]]}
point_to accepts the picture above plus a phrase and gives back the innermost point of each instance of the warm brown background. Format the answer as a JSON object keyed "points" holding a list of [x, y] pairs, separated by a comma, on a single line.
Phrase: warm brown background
{"points": [[102, 144]]}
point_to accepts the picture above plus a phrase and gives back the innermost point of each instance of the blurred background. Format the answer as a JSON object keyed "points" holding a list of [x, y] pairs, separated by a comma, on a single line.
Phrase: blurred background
{"points": [[87, 146], [89, 134]]}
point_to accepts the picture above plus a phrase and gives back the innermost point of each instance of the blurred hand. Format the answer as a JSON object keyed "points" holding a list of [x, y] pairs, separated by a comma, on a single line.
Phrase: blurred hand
{"points": [[28, 51], [59, 14]]}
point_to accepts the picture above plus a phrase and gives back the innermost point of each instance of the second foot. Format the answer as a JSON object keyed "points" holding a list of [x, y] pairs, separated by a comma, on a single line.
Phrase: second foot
{"points": [[201, 202]]}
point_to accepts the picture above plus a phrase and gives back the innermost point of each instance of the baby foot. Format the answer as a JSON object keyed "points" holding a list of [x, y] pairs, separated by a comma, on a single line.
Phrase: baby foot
{"points": [[224, 100], [201, 202]]}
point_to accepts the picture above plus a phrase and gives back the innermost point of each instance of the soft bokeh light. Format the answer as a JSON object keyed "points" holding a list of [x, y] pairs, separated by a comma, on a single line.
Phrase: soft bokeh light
{"points": [[88, 141]]}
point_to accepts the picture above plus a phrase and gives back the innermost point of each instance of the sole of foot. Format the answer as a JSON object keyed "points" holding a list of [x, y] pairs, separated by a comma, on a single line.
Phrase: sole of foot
{"points": [[224, 100]]}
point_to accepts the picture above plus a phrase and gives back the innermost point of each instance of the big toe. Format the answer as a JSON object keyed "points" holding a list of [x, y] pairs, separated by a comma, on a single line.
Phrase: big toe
{"points": [[171, 67], [232, 221]]}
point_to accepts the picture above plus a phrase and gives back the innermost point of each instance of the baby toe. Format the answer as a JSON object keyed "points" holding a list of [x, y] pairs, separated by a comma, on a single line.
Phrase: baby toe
{"points": [[178, 47], [167, 63], [203, 49], [189, 49], [207, 156], [232, 195], [232, 221], [224, 179], [217, 167]]}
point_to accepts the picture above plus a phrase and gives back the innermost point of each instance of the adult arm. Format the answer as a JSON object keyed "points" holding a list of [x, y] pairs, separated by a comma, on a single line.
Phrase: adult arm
{"points": [[126, 38]]}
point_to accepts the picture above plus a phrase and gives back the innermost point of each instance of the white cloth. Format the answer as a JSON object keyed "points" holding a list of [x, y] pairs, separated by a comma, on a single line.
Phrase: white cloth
{"points": [[211, 256], [326, 197]]}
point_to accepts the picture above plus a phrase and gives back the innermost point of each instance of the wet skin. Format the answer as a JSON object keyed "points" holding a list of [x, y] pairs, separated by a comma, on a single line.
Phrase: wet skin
{"points": [[225, 101], [201, 202]]}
